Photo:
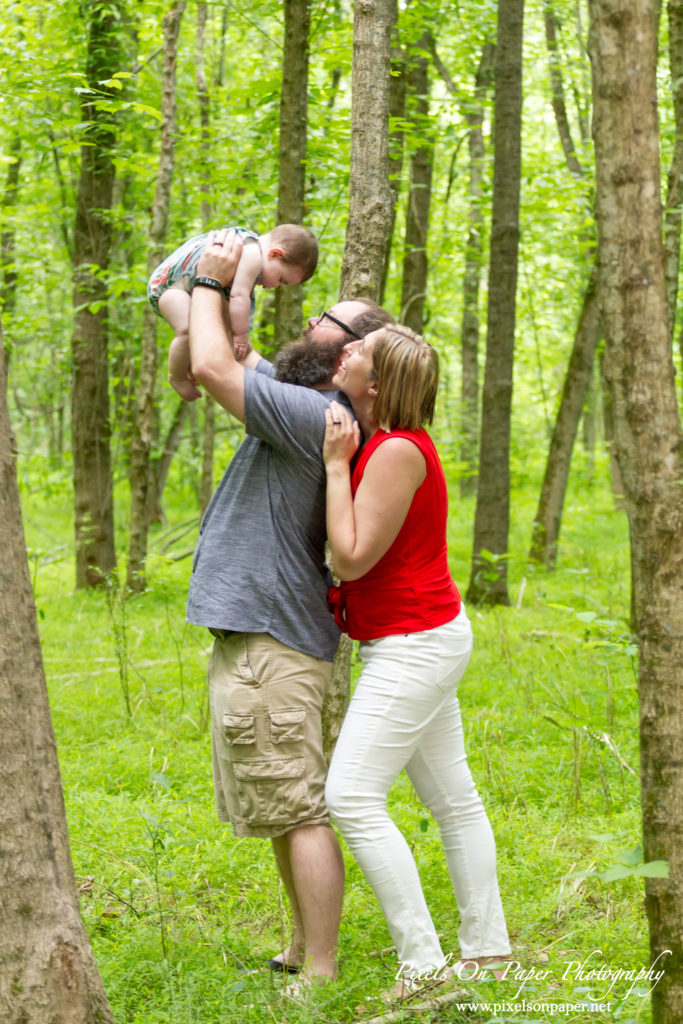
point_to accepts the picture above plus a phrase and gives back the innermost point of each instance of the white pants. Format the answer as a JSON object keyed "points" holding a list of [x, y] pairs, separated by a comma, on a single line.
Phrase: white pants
{"points": [[405, 714]]}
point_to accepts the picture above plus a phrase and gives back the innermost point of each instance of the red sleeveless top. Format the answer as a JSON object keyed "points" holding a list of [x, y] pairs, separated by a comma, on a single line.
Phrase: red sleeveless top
{"points": [[410, 589]]}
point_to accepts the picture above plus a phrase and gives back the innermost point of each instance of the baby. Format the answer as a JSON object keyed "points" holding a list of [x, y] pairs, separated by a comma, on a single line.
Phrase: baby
{"points": [[286, 255]]}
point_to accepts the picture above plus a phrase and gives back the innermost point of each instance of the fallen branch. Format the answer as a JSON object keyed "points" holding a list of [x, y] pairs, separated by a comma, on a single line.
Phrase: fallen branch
{"points": [[435, 1003]]}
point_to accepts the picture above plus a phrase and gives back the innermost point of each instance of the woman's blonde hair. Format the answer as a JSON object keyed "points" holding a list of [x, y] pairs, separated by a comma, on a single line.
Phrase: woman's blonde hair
{"points": [[406, 373]]}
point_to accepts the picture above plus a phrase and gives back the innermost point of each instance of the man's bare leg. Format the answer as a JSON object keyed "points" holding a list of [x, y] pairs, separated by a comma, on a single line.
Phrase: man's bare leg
{"points": [[295, 954], [317, 869]]}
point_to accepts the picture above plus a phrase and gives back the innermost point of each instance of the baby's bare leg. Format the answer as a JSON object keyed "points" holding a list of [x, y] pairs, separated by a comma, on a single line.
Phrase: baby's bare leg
{"points": [[174, 306]]}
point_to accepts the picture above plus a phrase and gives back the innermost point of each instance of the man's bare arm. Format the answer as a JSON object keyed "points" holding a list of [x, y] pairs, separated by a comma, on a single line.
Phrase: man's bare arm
{"points": [[213, 362]]}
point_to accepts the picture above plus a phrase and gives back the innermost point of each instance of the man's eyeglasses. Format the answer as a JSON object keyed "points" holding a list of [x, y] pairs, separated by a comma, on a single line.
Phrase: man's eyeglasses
{"points": [[345, 328]]}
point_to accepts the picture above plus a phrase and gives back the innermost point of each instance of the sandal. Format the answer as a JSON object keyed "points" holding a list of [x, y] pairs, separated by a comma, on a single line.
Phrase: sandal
{"points": [[280, 967]]}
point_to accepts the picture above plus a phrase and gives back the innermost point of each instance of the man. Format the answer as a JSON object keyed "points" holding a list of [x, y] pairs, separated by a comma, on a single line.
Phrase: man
{"points": [[259, 584]]}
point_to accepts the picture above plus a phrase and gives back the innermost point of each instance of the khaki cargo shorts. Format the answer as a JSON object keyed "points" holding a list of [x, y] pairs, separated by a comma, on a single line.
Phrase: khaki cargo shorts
{"points": [[268, 765]]}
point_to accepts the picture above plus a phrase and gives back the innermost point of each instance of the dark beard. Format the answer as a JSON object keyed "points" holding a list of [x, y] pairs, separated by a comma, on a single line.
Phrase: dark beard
{"points": [[307, 362]]}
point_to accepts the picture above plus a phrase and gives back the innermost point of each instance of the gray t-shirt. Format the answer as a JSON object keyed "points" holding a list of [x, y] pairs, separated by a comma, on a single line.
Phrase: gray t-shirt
{"points": [[259, 564]]}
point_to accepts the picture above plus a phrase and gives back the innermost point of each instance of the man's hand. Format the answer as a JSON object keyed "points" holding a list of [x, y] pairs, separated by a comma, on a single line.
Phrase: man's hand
{"points": [[221, 255]]}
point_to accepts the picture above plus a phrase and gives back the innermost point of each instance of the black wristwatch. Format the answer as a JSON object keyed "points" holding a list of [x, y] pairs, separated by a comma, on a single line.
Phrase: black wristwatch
{"points": [[208, 282]]}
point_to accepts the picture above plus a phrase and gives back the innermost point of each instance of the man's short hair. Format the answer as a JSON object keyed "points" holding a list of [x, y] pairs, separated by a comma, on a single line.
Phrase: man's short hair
{"points": [[371, 319]]}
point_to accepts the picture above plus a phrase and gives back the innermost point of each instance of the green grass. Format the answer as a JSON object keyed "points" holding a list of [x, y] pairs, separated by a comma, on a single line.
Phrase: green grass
{"points": [[180, 912]]}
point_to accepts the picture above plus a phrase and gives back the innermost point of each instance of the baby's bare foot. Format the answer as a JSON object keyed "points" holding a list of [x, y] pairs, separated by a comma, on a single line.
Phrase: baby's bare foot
{"points": [[185, 388]]}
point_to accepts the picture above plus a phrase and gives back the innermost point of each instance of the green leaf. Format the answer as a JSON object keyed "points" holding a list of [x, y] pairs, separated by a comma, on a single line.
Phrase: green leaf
{"points": [[161, 780], [578, 706], [654, 869], [142, 108], [615, 873], [632, 857], [586, 616]]}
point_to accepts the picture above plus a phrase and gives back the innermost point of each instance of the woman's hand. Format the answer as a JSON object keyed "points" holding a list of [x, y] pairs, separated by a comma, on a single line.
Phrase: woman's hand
{"points": [[342, 436], [221, 255]]}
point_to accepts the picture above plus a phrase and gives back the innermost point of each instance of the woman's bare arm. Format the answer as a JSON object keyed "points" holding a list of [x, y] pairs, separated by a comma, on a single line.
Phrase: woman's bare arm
{"points": [[362, 530]]}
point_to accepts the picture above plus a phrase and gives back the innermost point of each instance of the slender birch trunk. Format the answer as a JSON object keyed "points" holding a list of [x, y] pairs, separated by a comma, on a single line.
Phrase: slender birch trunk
{"points": [[415, 266], [143, 432]]}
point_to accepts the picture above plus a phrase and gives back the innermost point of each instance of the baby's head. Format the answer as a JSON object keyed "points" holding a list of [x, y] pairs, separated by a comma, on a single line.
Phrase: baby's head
{"points": [[290, 255]]}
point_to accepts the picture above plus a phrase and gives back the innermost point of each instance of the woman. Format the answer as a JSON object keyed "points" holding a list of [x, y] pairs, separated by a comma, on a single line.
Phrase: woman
{"points": [[386, 525]]}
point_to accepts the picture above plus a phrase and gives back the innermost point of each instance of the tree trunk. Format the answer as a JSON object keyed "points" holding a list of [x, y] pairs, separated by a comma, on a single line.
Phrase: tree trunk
{"points": [[292, 163], [367, 231], [90, 428], [8, 288], [47, 971], [648, 440], [125, 321], [546, 532], [557, 87], [397, 106], [370, 196], [548, 520], [204, 102], [143, 432], [64, 204], [206, 484], [674, 194], [162, 463], [414, 284], [488, 580], [589, 422], [582, 92], [469, 332], [608, 429]]}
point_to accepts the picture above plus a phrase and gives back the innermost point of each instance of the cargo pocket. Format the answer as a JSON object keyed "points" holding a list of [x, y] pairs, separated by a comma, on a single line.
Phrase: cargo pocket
{"points": [[238, 730], [287, 726], [273, 792]]}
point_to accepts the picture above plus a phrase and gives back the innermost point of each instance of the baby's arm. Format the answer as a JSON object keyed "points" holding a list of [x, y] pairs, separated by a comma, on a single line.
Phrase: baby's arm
{"points": [[248, 269]]}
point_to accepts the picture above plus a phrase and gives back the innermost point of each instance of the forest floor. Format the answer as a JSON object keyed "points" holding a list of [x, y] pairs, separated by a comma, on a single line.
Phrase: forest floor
{"points": [[182, 915]]}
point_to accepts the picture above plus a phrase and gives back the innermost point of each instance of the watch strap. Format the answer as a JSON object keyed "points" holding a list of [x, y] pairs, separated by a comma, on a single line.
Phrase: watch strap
{"points": [[208, 282]]}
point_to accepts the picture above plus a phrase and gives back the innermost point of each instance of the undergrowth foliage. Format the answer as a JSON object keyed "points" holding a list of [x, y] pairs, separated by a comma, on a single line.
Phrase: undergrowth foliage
{"points": [[182, 915]]}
